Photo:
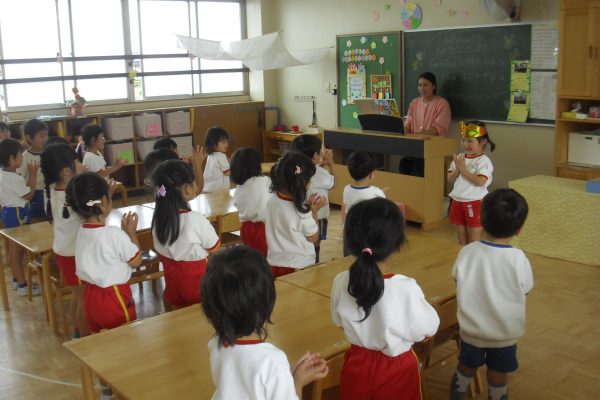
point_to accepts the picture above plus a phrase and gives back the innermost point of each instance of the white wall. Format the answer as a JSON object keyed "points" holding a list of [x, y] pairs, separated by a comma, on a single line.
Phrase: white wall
{"points": [[522, 150]]}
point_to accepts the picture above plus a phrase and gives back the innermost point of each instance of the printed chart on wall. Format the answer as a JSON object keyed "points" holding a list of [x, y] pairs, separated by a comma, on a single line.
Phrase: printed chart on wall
{"points": [[369, 66]]}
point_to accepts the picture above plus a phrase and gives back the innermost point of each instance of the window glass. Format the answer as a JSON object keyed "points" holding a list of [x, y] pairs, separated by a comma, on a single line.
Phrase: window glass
{"points": [[222, 82], [97, 28]]}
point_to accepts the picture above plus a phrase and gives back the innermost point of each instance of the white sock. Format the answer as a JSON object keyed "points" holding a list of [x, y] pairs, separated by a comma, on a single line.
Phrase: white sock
{"points": [[461, 382], [498, 392]]}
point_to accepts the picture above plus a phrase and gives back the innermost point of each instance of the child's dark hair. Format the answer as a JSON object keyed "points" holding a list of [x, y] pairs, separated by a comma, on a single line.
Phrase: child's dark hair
{"points": [[360, 164], [32, 127], [83, 188], [374, 230], [429, 77], [291, 174], [52, 161], [88, 134], [503, 213], [9, 147], [486, 136], [172, 175], [307, 145], [155, 157], [238, 294], [165, 143], [55, 140], [245, 164], [4, 126], [212, 138]]}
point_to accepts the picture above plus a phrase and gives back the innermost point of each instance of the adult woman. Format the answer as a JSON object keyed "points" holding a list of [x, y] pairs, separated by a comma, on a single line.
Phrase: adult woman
{"points": [[427, 115]]}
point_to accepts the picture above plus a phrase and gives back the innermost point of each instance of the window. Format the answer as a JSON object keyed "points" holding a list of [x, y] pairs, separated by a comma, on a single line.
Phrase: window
{"points": [[113, 50]]}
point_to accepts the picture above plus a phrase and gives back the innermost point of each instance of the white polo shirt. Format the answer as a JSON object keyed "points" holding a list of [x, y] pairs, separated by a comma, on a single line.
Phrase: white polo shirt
{"points": [[251, 198], [491, 283], [93, 162], [12, 189], [65, 230], [400, 318], [463, 189], [250, 371], [216, 165], [197, 238], [354, 194], [286, 230], [102, 253], [321, 183], [29, 156]]}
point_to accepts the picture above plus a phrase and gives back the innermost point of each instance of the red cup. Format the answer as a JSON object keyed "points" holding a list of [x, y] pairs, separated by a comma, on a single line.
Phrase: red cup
{"points": [[295, 128]]}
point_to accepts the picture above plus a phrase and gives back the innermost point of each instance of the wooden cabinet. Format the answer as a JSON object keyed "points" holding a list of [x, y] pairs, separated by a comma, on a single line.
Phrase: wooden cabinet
{"points": [[578, 79], [276, 144]]}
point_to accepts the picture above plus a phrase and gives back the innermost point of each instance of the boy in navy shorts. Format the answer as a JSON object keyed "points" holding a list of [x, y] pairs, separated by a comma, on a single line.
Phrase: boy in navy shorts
{"points": [[492, 281]]}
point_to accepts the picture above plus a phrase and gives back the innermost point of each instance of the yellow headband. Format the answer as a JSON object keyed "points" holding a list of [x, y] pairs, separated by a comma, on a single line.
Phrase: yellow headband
{"points": [[472, 130]]}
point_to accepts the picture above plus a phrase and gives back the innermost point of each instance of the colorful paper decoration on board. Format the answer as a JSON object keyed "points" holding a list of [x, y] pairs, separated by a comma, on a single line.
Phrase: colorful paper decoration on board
{"points": [[375, 16], [411, 16], [381, 86], [384, 39], [357, 82]]}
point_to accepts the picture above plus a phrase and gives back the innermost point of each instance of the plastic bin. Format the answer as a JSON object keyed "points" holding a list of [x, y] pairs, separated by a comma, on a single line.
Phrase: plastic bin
{"points": [[178, 122], [148, 125], [185, 145], [124, 151], [118, 128], [144, 147]]}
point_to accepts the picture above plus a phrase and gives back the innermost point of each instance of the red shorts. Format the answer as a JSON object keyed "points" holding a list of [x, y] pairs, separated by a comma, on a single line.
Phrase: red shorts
{"points": [[253, 235], [182, 281], [465, 213], [281, 271], [370, 374], [107, 308], [67, 269]]}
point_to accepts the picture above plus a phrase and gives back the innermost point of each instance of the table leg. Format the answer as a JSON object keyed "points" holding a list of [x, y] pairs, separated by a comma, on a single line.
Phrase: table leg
{"points": [[87, 381], [3, 289], [47, 290]]}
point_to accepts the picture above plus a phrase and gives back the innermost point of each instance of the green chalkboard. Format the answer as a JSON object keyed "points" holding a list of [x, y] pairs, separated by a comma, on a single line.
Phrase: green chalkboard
{"points": [[365, 52], [472, 67]]}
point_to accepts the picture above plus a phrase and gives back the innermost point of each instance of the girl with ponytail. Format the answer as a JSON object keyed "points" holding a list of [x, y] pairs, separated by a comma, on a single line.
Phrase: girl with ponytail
{"points": [[382, 314], [183, 238]]}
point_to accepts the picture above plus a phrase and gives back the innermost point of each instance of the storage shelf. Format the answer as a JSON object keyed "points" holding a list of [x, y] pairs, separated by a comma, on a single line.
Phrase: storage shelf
{"points": [[593, 121]]}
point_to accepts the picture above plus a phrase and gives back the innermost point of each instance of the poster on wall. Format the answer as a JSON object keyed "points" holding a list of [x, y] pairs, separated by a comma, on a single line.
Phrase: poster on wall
{"points": [[381, 86], [357, 82]]}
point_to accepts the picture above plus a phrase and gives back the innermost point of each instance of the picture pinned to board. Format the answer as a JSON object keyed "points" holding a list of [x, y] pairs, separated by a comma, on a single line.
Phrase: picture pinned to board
{"points": [[381, 86], [412, 16], [356, 82]]}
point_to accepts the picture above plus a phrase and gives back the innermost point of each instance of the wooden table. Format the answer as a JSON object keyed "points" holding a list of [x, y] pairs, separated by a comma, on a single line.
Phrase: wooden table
{"points": [[428, 261], [167, 355], [211, 205]]}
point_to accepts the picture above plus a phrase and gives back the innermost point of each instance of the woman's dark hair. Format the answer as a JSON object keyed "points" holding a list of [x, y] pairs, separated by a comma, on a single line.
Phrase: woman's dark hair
{"points": [[53, 160], [83, 188], [173, 175], [374, 229], [9, 147], [503, 213], [165, 143], [360, 164], [155, 157], [212, 138], [291, 174], [88, 134], [56, 140], [32, 127], [431, 78], [307, 145], [486, 137], [245, 164], [238, 294]]}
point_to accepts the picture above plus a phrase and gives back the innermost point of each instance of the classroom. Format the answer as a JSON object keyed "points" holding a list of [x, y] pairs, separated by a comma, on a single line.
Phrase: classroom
{"points": [[129, 74]]}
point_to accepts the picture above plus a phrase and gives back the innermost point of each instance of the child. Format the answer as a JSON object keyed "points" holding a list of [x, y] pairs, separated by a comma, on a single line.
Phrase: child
{"points": [[4, 131], [15, 195], [59, 163], [361, 166], [36, 134], [166, 143], [238, 295], [291, 226], [93, 139], [216, 173], [321, 182], [382, 314], [182, 238], [104, 255], [492, 282], [251, 197], [471, 174]]}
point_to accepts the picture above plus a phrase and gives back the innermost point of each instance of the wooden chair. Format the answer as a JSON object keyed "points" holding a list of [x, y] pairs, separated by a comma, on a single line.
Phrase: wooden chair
{"points": [[447, 331], [149, 269], [227, 227], [335, 363], [120, 188], [62, 293]]}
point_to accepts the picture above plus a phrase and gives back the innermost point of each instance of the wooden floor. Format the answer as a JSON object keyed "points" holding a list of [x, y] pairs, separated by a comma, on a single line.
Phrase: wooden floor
{"points": [[559, 357]]}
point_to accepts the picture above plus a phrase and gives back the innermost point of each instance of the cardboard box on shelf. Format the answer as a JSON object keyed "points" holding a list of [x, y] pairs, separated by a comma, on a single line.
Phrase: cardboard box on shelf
{"points": [[120, 128], [178, 122], [124, 151], [144, 147], [148, 125]]}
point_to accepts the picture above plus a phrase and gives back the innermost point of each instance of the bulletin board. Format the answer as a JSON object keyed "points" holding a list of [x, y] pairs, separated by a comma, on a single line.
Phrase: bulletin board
{"points": [[360, 56]]}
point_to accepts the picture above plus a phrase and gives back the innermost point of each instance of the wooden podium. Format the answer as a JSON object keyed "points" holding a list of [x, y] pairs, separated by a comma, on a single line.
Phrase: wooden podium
{"points": [[423, 196]]}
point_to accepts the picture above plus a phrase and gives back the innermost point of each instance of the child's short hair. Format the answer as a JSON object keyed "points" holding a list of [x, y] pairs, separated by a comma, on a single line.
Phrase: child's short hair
{"points": [[212, 138], [53, 159], [55, 140], [486, 136], [307, 145], [33, 127], [245, 164], [360, 164], [155, 157], [291, 174], [503, 213], [83, 189], [238, 294], [9, 147], [165, 143], [4, 126], [88, 134]]}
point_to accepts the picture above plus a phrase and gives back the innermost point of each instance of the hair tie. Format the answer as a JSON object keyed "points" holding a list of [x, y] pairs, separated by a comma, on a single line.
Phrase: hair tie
{"points": [[298, 170], [161, 191], [92, 203], [367, 250]]}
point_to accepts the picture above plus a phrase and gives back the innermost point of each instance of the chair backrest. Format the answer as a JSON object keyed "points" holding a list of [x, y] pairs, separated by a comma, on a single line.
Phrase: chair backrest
{"points": [[228, 223], [335, 363], [446, 309]]}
